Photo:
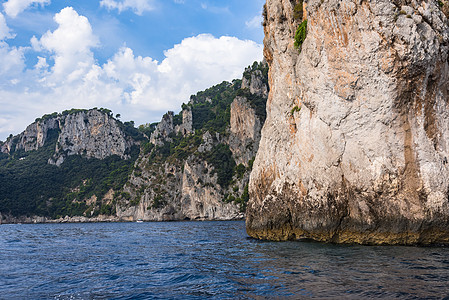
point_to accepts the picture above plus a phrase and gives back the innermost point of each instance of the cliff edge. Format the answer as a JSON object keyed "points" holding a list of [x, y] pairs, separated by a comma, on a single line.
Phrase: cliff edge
{"points": [[355, 146]]}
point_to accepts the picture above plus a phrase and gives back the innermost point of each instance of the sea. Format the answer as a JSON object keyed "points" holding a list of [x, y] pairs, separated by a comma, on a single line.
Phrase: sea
{"points": [[206, 260]]}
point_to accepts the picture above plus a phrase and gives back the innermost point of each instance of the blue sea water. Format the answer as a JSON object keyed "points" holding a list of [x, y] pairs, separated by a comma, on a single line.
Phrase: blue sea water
{"points": [[197, 260]]}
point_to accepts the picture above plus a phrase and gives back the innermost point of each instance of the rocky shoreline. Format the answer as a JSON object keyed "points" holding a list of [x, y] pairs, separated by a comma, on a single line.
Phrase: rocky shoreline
{"points": [[100, 219]]}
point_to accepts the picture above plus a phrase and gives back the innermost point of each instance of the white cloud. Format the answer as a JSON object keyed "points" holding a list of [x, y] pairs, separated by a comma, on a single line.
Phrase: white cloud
{"points": [[4, 29], [41, 63], [70, 43], [67, 75], [195, 64], [137, 6], [14, 7], [133, 75], [254, 23], [11, 63], [11, 58], [201, 61]]}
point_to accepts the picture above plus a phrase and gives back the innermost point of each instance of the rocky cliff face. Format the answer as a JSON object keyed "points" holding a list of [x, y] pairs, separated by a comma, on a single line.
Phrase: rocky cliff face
{"points": [[163, 130], [355, 146], [90, 133], [33, 138], [199, 174], [168, 192], [193, 165], [186, 127], [253, 81], [167, 126], [94, 154], [245, 130]]}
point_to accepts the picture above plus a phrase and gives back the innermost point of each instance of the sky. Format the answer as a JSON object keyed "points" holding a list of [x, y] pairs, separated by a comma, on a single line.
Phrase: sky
{"points": [[139, 58]]}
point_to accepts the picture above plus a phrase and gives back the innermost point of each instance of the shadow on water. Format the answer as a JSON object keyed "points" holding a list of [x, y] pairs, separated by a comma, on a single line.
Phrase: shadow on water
{"points": [[197, 260]]}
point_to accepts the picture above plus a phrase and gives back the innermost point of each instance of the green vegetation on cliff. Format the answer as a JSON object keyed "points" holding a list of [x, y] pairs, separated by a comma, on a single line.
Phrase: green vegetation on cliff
{"points": [[29, 185], [211, 108], [208, 144], [211, 113], [300, 35]]}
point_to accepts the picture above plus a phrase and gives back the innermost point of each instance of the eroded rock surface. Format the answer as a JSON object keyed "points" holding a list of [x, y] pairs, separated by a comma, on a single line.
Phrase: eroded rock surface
{"points": [[186, 182], [32, 138], [355, 147], [91, 134], [244, 130]]}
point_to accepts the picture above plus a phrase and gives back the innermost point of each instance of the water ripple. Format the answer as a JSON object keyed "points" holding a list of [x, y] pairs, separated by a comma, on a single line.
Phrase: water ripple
{"points": [[197, 260]]}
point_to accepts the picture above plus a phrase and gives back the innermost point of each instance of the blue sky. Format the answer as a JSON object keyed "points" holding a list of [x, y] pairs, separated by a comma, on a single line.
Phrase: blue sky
{"points": [[139, 58]]}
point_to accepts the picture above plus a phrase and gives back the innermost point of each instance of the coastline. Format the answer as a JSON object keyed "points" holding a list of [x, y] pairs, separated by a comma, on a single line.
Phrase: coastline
{"points": [[99, 219]]}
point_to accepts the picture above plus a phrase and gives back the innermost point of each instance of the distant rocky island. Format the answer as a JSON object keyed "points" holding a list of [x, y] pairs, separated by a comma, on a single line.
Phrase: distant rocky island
{"points": [[355, 145], [85, 165]]}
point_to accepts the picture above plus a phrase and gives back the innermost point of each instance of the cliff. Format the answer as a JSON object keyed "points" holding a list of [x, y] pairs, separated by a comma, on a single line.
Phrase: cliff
{"points": [[354, 148], [66, 164], [85, 165], [33, 138], [196, 165], [92, 133]]}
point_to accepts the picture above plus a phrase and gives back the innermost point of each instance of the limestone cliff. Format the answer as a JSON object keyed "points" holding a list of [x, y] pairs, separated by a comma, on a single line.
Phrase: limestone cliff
{"points": [[163, 130], [67, 167], [197, 164], [245, 130], [90, 133], [85, 165], [32, 138], [355, 145]]}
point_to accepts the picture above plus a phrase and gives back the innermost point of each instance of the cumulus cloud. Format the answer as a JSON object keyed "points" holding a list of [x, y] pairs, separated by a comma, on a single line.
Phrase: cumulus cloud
{"points": [[133, 75], [137, 6], [5, 32], [200, 61], [14, 7], [140, 88], [70, 43], [11, 58], [194, 64], [11, 63]]}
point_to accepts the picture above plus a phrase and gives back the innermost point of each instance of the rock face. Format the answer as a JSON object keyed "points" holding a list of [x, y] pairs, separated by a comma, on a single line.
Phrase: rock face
{"points": [[187, 122], [163, 130], [355, 146], [202, 198], [188, 184], [90, 133], [245, 130], [254, 82], [32, 138], [168, 191]]}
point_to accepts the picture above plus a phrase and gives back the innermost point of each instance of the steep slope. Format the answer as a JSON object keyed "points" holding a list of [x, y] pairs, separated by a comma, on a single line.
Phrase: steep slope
{"points": [[197, 164], [94, 154], [355, 146], [85, 165]]}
